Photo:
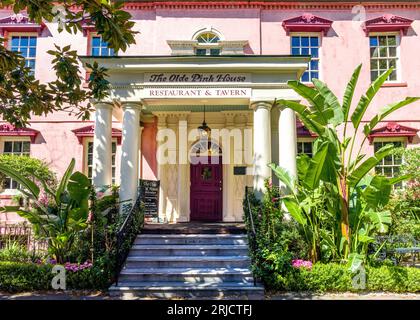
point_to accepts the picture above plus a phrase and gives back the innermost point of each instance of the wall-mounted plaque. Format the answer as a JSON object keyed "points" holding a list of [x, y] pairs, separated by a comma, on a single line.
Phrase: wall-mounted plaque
{"points": [[149, 194], [239, 171]]}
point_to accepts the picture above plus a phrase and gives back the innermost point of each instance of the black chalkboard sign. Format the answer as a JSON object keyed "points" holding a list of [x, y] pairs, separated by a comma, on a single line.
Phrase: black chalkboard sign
{"points": [[149, 193]]}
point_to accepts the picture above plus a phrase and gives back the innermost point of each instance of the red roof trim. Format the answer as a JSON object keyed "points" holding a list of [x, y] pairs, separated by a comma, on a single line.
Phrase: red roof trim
{"points": [[387, 22], [303, 132], [20, 23], [90, 130], [8, 130], [307, 22], [393, 129]]}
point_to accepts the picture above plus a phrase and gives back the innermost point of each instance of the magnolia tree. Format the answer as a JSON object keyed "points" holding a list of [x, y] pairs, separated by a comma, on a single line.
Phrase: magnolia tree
{"points": [[21, 95]]}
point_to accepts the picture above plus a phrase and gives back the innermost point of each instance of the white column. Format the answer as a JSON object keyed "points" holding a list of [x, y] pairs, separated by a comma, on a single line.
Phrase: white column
{"points": [[262, 145], [183, 166], [130, 152], [288, 141], [102, 145]]}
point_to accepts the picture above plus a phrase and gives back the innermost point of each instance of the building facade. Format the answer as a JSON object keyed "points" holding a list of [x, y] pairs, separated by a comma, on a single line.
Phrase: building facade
{"points": [[193, 102]]}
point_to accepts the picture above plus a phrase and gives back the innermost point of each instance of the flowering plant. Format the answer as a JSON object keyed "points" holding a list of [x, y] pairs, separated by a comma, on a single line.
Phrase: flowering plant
{"points": [[74, 267], [299, 263]]}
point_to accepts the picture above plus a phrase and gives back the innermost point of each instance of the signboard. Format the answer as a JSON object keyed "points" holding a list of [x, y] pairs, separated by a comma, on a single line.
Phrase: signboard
{"points": [[196, 77], [197, 93], [149, 194]]}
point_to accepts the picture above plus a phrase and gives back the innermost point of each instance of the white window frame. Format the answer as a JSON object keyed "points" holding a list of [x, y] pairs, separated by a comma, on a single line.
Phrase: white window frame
{"points": [[207, 46], [86, 142], [320, 38], [303, 140], [90, 38], [398, 45], [25, 34], [4, 139]]}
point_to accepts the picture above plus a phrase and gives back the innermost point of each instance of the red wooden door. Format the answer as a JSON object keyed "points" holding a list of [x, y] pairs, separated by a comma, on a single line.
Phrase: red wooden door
{"points": [[206, 189]]}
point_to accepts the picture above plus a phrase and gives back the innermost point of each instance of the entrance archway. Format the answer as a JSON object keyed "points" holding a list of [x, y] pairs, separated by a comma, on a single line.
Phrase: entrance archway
{"points": [[206, 188]]}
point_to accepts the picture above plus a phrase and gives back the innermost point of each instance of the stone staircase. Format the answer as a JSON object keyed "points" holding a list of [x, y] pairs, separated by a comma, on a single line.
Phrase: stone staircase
{"points": [[169, 263]]}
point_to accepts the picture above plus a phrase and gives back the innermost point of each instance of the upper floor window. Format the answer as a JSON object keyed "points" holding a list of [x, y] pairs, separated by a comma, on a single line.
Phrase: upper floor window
{"points": [[208, 44], [383, 55], [19, 148], [100, 47], [26, 45], [307, 45]]}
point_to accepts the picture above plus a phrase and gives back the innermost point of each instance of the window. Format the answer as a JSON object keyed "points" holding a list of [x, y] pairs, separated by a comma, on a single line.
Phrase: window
{"points": [[100, 47], [304, 147], [390, 165], [307, 45], [208, 44], [90, 160], [26, 45], [19, 148], [383, 55]]}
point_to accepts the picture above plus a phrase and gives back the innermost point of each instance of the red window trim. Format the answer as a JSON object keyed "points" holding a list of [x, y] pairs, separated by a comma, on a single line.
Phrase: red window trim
{"points": [[307, 22], [393, 130], [88, 131], [19, 23], [387, 23], [8, 130]]}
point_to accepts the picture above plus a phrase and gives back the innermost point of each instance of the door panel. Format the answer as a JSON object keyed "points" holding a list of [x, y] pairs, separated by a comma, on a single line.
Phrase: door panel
{"points": [[206, 189]]}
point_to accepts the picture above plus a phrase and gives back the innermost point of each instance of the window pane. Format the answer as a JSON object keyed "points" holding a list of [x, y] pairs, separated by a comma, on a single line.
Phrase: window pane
{"points": [[314, 75], [15, 42], [304, 41], [32, 41], [96, 41], [314, 52], [314, 65], [17, 146], [14, 184], [104, 51], [90, 147], [7, 183], [114, 147], [382, 40], [382, 64], [392, 52], [299, 148], [392, 41], [214, 52], [314, 41], [26, 146], [200, 52], [308, 147], [305, 76], [383, 52], [373, 75], [393, 76], [8, 145], [95, 51], [295, 51], [374, 52], [295, 42], [305, 51], [373, 41], [24, 41]]}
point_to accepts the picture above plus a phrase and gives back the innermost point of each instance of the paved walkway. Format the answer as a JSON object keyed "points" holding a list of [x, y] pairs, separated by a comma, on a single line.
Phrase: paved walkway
{"points": [[81, 295]]}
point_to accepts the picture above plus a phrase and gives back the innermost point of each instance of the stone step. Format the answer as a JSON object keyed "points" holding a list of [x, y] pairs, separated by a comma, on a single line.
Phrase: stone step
{"points": [[188, 262], [192, 275], [194, 228], [192, 239], [188, 250], [167, 290]]}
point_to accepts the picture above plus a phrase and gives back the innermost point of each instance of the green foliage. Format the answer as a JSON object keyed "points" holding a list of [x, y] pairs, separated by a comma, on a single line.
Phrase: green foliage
{"points": [[63, 216], [31, 168], [21, 95], [334, 183], [14, 251], [334, 277]]}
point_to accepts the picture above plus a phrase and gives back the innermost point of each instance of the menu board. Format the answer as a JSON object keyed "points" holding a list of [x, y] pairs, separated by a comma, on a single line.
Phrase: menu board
{"points": [[149, 195]]}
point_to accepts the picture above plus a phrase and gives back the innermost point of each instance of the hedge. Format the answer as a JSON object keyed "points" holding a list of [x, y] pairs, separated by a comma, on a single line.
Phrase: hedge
{"points": [[20, 277], [337, 278]]}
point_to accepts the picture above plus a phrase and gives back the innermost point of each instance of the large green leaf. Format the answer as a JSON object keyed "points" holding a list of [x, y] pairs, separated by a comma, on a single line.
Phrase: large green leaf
{"points": [[355, 261], [357, 174], [25, 182], [331, 100], [63, 183], [381, 220], [78, 186], [295, 210], [366, 99], [386, 111], [284, 176], [305, 115], [377, 192], [316, 166], [349, 92]]}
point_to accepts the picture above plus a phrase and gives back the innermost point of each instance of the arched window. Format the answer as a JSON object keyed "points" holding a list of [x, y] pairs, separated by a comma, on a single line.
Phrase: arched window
{"points": [[208, 44]]}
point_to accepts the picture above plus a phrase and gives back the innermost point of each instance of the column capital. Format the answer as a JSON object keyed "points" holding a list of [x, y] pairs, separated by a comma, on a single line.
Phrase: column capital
{"points": [[132, 105], [259, 104], [102, 105]]}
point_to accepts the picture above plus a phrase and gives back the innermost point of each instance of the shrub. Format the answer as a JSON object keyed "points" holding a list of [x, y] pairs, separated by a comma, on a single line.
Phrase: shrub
{"points": [[14, 251], [28, 167], [334, 277]]}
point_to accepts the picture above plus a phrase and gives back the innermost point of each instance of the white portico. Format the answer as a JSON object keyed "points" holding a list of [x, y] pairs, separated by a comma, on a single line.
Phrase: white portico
{"points": [[159, 103]]}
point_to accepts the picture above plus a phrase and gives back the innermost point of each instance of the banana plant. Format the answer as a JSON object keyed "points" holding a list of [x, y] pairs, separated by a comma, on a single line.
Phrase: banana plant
{"points": [[336, 158], [64, 216]]}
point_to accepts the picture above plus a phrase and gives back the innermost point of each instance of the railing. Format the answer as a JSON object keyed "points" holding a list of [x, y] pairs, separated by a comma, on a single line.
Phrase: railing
{"points": [[133, 223], [22, 234], [252, 234]]}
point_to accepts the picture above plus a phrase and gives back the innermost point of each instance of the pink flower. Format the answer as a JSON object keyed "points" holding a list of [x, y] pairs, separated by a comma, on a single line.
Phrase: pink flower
{"points": [[299, 263]]}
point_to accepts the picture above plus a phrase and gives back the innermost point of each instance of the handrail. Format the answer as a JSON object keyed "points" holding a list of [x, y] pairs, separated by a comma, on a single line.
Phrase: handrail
{"points": [[124, 232], [253, 232]]}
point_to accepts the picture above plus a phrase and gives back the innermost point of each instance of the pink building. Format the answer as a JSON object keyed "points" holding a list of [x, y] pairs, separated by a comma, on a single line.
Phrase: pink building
{"points": [[232, 59]]}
